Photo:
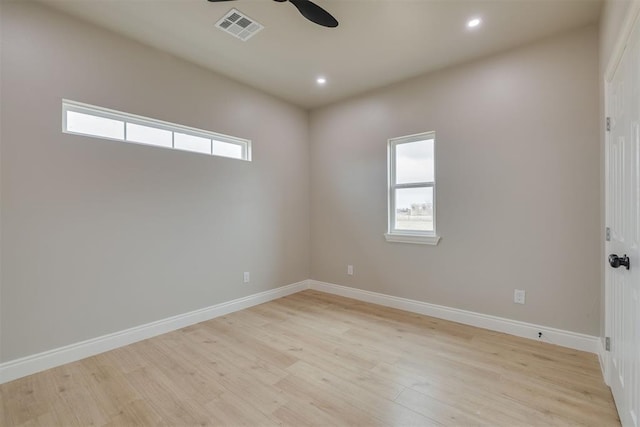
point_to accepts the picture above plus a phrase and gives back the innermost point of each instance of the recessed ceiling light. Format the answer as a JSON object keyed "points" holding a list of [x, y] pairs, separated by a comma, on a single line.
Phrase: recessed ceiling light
{"points": [[473, 23], [321, 81]]}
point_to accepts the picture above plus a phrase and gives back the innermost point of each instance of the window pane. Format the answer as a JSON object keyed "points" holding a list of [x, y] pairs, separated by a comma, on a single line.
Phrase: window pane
{"points": [[148, 135], [103, 123], [94, 125], [227, 150], [192, 143], [414, 209], [414, 162]]}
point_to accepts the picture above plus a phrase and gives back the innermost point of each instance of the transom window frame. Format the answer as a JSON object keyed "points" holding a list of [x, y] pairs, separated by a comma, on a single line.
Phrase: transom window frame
{"points": [[92, 110], [408, 236]]}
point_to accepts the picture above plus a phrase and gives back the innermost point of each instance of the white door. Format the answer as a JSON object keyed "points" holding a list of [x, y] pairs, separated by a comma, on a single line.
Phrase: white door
{"points": [[623, 220]]}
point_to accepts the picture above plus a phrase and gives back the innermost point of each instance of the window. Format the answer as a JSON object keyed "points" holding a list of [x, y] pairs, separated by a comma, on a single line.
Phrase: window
{"points": [[98, 122], [412, 189]]}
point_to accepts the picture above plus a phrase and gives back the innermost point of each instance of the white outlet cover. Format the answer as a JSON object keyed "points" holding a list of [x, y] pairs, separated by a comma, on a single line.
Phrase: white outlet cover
{"points": [[246, 277], [519, 296], [350, 270]]}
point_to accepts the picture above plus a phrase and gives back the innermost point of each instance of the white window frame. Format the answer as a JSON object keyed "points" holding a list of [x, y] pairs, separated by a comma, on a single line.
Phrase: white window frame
{"points": [[79, 107], [408, 236]]}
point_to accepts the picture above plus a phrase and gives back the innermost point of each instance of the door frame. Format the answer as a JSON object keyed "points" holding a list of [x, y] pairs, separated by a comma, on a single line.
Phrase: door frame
{"points": [[631, 19]]}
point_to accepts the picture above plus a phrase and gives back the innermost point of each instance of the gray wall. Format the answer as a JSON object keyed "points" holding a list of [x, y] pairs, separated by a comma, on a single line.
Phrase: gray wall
{"points": [[518, 186], [612, 18], [100, 236], [1, 203]]}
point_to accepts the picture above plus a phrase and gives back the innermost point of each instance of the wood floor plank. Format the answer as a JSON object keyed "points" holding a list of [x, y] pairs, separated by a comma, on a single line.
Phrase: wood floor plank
{"points": [[235, 411], [383, 408], [135, 413], [440, 412], [340, 410], [314, 359]]}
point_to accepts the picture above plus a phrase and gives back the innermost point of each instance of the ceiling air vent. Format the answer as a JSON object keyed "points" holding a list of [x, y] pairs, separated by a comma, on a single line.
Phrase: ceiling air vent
{"points": [[238, 25]]}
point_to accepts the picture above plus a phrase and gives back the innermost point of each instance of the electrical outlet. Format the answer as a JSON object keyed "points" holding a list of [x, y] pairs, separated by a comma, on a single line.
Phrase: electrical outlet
{"points": [[350, 270], [246, 277], [518, 296]]}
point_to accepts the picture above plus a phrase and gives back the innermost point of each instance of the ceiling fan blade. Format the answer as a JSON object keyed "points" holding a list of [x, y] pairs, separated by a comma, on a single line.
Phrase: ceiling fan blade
{"points": [[314, 13]]}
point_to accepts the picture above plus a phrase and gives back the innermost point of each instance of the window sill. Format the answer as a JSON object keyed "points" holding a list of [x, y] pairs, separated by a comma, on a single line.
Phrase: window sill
{"points": [[412, 238]]}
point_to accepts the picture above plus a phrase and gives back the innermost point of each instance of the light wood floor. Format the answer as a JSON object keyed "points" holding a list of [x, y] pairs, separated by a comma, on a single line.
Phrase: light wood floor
{"points": [[318, 359]]}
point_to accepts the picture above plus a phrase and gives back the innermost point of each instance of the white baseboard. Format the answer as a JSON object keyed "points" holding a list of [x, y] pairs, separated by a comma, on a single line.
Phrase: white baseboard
{"points": [[28, 365], [49, 359], [559, 337]]}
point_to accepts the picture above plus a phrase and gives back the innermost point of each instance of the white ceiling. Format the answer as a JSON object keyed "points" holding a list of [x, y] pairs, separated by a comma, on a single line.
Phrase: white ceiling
{"points": [[378, 42]]}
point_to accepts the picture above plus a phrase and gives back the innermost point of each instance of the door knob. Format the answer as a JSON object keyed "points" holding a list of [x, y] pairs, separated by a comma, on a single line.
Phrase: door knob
{"points": [[615, 261]]}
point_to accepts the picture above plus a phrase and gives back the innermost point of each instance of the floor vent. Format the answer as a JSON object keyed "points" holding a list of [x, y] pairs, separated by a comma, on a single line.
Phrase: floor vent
{"points": [[239, 25]]}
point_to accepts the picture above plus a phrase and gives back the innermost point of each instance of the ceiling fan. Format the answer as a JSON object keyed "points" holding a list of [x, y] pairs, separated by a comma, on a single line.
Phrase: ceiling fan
{"points": [[309, 10]]}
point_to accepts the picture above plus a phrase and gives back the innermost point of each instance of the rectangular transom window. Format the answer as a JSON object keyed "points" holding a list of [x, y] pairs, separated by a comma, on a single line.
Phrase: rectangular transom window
{"points": [[412, 189], [98, 122]]}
